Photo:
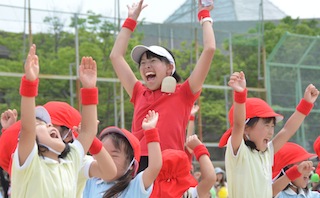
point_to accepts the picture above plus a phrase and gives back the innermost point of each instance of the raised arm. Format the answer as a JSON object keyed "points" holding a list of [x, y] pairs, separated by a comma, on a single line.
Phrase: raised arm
{"points": [[208, 176], [89, 100], [294, 122], [117, 55], [238, 83], [304, 168], [28, 92], [154, 152], [103, 166], [190, 129], [202, 67]]}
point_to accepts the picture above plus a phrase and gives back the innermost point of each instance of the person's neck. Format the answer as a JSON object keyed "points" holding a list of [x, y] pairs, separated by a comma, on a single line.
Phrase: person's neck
{"points": [[295, 189], [51, 155]]}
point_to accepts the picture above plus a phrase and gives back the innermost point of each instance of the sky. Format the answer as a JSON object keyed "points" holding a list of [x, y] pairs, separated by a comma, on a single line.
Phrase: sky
{"points": [[156, 12]]}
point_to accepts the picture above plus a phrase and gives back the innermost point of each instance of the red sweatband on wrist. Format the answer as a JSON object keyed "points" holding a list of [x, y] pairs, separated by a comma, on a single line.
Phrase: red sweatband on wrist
{"points": [[130, 24], [304, 107], [29, 88], [95, 147], [203, 14], [191, 117], [200, 150], [293, 173], [240, 97], [152, 135], [89, 96]]}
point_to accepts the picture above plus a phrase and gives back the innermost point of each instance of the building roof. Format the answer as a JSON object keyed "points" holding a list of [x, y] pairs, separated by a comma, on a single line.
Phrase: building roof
{"points": [[229, 10]]}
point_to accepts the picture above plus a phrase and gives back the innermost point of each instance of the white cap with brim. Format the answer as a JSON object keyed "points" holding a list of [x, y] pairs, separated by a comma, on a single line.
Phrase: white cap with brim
{"points": [[138, 50], [42, 114]]}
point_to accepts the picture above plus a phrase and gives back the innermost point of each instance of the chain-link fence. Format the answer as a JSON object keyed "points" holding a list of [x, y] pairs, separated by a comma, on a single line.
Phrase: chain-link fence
{"points": [[293, 64]]}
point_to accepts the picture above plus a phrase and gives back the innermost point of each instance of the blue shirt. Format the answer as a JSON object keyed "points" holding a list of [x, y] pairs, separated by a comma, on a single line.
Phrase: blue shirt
{"points": [[95, 188], [289, 193]]}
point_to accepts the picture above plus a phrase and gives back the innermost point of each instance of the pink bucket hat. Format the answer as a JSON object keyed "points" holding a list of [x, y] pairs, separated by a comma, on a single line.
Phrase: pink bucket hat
{"points": [[134, 142]]}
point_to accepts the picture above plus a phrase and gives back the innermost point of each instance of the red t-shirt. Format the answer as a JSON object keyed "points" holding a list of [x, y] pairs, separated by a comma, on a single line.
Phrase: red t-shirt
{"points": [[174, 111]]}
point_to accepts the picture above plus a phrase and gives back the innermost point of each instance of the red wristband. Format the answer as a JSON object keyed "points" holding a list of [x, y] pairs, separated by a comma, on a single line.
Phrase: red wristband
{"points": [[29, 88], [95, 147], [203, 14], [152, 135], [130, 24], [89, 96], [304, 107], [191, 117], [200, 150], [293, 173], [240, 97]]}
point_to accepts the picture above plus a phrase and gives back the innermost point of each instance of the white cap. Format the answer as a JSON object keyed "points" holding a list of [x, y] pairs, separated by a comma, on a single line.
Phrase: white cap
{"points": [[42, 114], [138, 50]]}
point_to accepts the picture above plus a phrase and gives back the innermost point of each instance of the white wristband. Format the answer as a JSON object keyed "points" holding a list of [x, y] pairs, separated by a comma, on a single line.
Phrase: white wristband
{"points": [[206, 19]]}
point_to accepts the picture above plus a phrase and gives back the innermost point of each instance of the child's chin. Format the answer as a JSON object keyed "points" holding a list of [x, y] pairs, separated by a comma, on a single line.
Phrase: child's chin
{"points": [[263, 148]]}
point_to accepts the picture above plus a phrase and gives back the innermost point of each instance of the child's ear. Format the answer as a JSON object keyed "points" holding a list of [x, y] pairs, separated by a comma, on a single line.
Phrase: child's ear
{"points": [[169, 69]]}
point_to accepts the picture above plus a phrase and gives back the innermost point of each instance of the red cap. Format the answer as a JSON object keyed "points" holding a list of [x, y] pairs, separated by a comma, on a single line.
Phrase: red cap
{"points": [[62, 114], [8, 144], [318, 169], [175, 176], [290, 153], [255, 107], [316, 147], [134, 142]]}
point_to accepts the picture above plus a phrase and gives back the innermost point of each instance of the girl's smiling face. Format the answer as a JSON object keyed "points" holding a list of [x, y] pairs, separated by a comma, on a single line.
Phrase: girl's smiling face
{"points": [[49, 136], [261, 133], [153, 70]]}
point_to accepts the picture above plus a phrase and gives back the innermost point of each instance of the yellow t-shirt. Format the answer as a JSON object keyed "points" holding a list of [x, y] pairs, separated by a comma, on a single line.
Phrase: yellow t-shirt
{"points": [[41, 177], [249, 172]]}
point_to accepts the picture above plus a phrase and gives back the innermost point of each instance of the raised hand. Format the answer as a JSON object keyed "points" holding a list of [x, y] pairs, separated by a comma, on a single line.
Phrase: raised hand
{"points": [[88, 72], [8, 118], [237, 81], [305, 167], [31, 66], [201, 7], [151, 120], [311, 93], [193, 141], [135, 9], [194, 110]]}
